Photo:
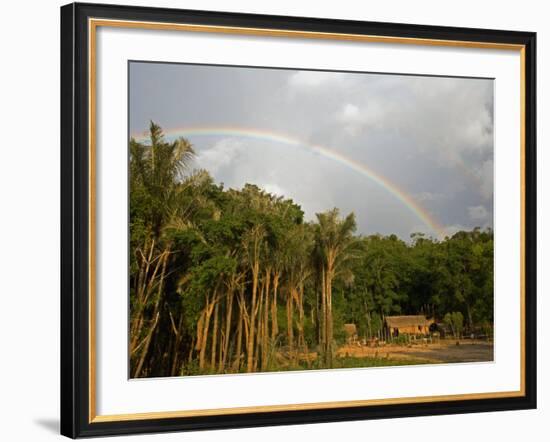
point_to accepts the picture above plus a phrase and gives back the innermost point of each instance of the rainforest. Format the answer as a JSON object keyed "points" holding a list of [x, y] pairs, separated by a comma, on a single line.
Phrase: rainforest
{"points": [[226, 280]]}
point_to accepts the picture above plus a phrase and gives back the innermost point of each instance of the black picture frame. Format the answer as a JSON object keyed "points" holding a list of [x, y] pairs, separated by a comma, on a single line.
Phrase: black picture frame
{"points": [[75, 220]]}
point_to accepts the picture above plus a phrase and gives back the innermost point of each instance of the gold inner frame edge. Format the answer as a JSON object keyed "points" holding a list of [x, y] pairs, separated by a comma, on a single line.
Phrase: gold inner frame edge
{"points": [[93, 24]]}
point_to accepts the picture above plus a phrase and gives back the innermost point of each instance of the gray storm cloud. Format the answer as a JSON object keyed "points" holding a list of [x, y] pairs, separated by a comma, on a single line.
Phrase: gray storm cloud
{"points": [[431, 137]]}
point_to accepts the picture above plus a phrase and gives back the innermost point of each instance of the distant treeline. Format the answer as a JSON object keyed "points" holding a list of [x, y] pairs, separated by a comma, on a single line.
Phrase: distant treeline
{"points": [[225, 280]]}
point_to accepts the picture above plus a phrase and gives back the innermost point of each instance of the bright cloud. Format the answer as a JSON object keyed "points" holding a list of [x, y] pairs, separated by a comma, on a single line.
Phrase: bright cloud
{"points": [[220, 155], [275, 189]]}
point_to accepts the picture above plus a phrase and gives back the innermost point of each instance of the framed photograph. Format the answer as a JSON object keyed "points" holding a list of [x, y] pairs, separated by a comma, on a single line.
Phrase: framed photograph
{"points": [[274, 220]]}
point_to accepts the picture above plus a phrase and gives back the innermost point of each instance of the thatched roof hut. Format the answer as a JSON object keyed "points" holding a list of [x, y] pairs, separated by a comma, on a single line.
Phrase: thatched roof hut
{"points": [[350, 330], [407, 324]]}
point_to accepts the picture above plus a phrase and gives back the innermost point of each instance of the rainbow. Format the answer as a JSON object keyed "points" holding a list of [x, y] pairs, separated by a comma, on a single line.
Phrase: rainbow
{"points": [[274, 137]]}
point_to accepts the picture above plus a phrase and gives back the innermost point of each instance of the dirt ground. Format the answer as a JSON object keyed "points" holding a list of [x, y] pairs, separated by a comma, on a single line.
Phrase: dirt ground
{"points": [[440, 352]]}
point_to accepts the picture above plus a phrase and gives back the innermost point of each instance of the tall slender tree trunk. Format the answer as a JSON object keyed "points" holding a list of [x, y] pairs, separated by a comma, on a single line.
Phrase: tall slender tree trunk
{"points": [[289, 321], [140, 285], [301, 339], [274, 320], [329, 321], [214, 338], [209, 308], [369, 321], [204, 338], [177, 344], [238, 345], [250, 343], [220, 353], [156, 314], [147, 342], [329, 324], [323, 322], [200, 330], [260, 326], [191, 352], [227, 328], [144, 289], [265, 332]]}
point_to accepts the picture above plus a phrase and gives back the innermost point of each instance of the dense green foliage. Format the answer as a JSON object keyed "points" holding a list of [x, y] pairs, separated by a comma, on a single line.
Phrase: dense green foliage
{"points": [[225, 280]]}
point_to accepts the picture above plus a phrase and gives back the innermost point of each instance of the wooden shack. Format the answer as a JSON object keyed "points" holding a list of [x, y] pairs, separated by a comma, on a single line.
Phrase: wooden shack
{"points": [[407, 325], [351, 333]]}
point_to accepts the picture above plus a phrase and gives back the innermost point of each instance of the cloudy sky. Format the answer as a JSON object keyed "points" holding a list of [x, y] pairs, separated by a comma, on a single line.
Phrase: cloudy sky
{"points": [[405, 153]]}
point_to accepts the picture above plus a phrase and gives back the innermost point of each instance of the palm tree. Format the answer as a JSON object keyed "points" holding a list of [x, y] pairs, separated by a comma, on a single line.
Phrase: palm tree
{"points": [[156, 172], [252, 242], [298, 269], [335, 245]]}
